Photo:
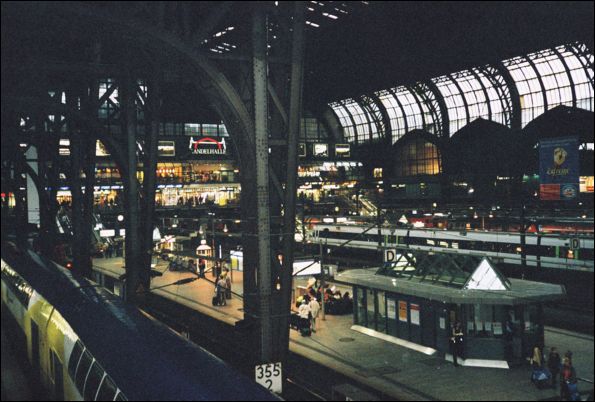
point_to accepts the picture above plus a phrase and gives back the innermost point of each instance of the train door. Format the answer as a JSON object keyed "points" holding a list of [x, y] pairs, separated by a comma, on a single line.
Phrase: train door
{"points": [[35, 348], [57, 376]]}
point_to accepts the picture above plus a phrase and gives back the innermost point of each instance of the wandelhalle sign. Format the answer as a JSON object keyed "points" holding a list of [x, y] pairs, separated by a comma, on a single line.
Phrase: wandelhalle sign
{"points": [[207, 146], [558, 169]]}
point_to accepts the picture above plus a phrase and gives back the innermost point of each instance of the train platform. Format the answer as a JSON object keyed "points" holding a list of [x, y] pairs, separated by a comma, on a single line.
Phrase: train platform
{"points": [[374, 362]]}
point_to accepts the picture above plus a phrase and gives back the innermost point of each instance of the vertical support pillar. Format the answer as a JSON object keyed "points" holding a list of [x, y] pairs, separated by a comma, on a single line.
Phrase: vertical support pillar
{"points": [[295, 108], [81, 263], [152, 120], [131, 214], [259, 44], [33, 205]]}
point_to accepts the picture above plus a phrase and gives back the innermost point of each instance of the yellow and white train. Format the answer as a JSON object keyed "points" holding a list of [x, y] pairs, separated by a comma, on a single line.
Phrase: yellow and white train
{"points": [[87, 344]]}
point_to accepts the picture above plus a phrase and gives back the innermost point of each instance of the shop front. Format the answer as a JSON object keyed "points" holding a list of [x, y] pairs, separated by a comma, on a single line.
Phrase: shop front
{"points": [[197, 194]]}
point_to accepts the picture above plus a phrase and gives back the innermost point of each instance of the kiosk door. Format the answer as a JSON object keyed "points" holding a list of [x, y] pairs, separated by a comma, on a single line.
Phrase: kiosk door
{"points": [[428, 325]]}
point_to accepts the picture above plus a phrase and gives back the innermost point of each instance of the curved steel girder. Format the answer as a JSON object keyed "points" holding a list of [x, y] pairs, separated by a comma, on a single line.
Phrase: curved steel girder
{"points": [[442, 108], [369, 114], [388, 132], [218, 86], [501, 86], [394, 94], [485, 91], [462, 93], [421, 89], [352, 122], [570, 79], [541, 84], [516, 121]]}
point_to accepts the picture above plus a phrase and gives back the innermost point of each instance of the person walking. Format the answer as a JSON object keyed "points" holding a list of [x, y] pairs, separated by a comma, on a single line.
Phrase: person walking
{"points": [[314, 310], [304, 313], [456, 342], [553, 363]]}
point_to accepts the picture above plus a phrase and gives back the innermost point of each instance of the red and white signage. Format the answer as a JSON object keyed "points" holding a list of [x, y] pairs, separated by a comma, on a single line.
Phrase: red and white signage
{"points": [[207, 146]]}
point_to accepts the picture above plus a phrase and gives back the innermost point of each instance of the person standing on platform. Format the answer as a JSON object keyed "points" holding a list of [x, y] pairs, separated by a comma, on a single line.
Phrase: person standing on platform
{"points": [[221, 291], [227, 278], [201, 267], [553, 363], [314, 310], [567, 380], [536, 360], [456, 342]]}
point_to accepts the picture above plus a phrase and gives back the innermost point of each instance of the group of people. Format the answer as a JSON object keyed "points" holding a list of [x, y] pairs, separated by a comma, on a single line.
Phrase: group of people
{"points": [[557, 366], [308, 313], [222, 288]]}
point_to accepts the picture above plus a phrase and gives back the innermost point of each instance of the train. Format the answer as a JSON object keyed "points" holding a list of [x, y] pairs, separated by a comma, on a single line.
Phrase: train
{"points": [[84, 343], [538, 250]]}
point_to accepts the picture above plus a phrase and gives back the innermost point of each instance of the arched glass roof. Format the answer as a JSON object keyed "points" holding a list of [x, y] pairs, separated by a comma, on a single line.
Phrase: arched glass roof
{"points": [[524, 86], [548, 78]]}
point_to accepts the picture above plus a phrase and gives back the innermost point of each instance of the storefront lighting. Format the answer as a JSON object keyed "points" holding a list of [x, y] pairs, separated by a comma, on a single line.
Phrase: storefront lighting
{"points": [[225, 229], [584, 216]]}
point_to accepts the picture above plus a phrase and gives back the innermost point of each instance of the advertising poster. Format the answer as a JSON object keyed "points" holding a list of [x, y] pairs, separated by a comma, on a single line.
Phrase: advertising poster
{"points": [[320, 150], [166, 148], [414, 311], [342, 150], [402, 311], [558, 169], [392, 308]]}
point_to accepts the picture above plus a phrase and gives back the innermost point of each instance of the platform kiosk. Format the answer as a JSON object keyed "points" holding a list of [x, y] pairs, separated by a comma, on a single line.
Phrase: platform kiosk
{"points": [[204, 251], [418, 298]]}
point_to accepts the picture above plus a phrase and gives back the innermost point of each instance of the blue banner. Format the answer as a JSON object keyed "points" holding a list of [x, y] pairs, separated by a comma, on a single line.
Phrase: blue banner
{"points": [[559, 168]]}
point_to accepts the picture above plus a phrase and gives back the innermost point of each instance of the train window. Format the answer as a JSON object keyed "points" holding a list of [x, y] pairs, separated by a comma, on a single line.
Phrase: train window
{"points": [[107, 390], [83, 370], [120, 397], [93, 380], [75, 356]]}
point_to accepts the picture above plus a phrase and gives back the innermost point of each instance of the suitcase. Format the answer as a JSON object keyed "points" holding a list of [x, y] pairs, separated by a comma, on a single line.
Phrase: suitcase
{"points": [[294, 321], [305, 327], [541, 377], [215, 301]]}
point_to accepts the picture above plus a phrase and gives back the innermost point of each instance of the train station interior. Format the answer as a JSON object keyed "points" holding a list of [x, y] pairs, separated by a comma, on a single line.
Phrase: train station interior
{"points": [[297, 200]]}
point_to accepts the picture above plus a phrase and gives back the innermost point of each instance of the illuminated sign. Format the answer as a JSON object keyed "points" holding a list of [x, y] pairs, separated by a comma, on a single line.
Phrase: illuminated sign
{"points": [[100, 149], [207, 146], [166, 148], [586, 184], [320, 150], [343, 150]]}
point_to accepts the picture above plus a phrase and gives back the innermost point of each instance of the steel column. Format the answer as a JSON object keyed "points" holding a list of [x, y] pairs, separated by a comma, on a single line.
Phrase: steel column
{"points": [[259, 43], [131, 213], [295, 107]]}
